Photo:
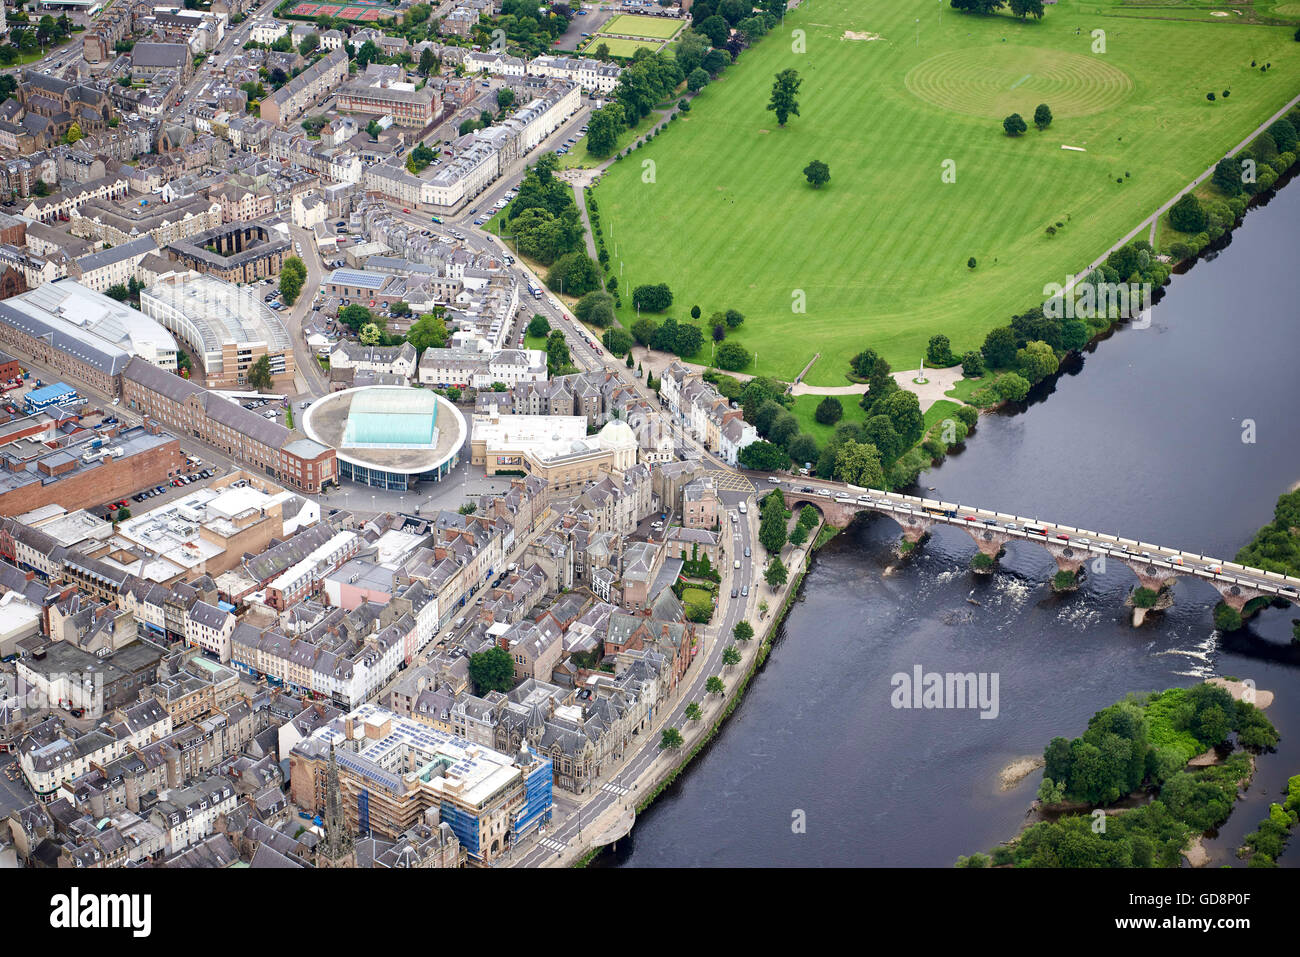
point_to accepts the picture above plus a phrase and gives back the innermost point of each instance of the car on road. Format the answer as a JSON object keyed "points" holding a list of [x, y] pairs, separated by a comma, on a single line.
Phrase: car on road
{"points": [[744, 591], [735, 592]]}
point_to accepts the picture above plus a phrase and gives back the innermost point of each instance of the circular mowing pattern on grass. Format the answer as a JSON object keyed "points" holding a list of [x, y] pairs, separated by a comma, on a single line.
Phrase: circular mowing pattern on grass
{"points": [[996, 81]]}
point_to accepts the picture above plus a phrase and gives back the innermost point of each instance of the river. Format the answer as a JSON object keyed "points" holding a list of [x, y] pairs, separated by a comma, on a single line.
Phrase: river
{"points": [[1142, 437]]}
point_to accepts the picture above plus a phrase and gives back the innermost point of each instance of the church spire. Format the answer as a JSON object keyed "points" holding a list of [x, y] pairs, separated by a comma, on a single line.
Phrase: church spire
{"points": [[338, 838]]}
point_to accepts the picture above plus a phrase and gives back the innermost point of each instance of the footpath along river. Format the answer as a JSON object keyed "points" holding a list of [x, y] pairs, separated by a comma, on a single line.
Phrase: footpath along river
{"points": [[1143, 437]]}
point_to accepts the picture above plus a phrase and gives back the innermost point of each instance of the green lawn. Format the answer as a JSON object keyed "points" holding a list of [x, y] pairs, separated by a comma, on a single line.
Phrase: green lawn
{"points": [[535, 342], [805, 407], [696, 596], [879, 255], [941, 410], [578, 156], [630, 25], [964, 387], [620, 47]]}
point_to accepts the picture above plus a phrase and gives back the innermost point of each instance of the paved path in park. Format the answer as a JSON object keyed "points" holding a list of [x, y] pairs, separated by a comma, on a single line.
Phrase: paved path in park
{"points": [[940, 380], [1151, 221]]}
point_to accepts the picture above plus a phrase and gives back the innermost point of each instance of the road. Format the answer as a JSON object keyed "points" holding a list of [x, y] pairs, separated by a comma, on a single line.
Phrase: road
{"points": [[621, 787], [304, 356]]}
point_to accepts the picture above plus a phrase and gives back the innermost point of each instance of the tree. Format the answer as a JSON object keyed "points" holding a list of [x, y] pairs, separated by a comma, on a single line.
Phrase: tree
{"points": [[374, 129], [670, 740], [829, 411], [716, 29], [428, 332], [1043, 116], [858, 463], [742, 631], [118, 292], [491, 670], [428, 62], [596, 308], [1227, 176], [293, 273], [370, 334], [697, 80], [714, 685], [557, 352], [644, 330], [259, 375], [1011, 387], [1210, 96], [1023, 8], [817, 173], [783, 103], [904, 411], [972, 365], [354, 317], [734, 318], [999, 349], [732, 356], [505, 98], [367, 54], [1284, 135], [776, 574], [798, 535], [784, 428], [538, 326], [771, 530], [802, 448], [693, 712], [1014, 125], [1186, 215], [74, 133], [123, 514], [309, 44], [763, 456], [574, 274], [618, 341], [939, 352], [652, 298], [603, 129]]}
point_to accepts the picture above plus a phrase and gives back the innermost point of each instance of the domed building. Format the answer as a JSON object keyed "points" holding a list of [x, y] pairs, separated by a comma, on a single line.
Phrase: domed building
{"points": [[617, 438], [554, 448]]}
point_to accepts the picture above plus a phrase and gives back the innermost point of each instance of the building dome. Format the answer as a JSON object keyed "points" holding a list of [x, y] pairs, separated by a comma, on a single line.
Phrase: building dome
{"points": [[616, 434]]}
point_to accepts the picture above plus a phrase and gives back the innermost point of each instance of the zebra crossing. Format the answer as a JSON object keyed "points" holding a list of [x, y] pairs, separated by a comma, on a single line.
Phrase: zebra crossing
{"points": [[551, 844], [613, 788]]}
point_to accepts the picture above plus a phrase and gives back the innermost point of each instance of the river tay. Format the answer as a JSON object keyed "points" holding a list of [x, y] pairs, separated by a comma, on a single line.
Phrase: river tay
{"points": [[1144, 438]]}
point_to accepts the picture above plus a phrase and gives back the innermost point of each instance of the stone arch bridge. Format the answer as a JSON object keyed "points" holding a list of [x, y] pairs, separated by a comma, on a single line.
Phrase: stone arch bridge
{"points": [[1156, 566]]}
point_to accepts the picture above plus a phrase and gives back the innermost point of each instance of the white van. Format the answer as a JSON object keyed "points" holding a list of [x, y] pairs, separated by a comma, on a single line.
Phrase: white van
{"points": [[743, 509]]}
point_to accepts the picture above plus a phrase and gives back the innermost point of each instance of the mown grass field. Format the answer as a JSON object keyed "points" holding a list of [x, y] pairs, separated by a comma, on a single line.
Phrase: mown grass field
{"points": [[619, 46], [880, 254], [630, 25], [805, 410]]}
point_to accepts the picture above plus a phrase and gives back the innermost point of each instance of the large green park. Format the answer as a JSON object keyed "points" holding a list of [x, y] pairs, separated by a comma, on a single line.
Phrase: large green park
{"points": [[908, 116]]}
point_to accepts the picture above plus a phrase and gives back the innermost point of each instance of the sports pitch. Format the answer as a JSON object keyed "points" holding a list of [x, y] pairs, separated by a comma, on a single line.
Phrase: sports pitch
{"points": [[631, 25], [879, 256], [620, 47]]}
